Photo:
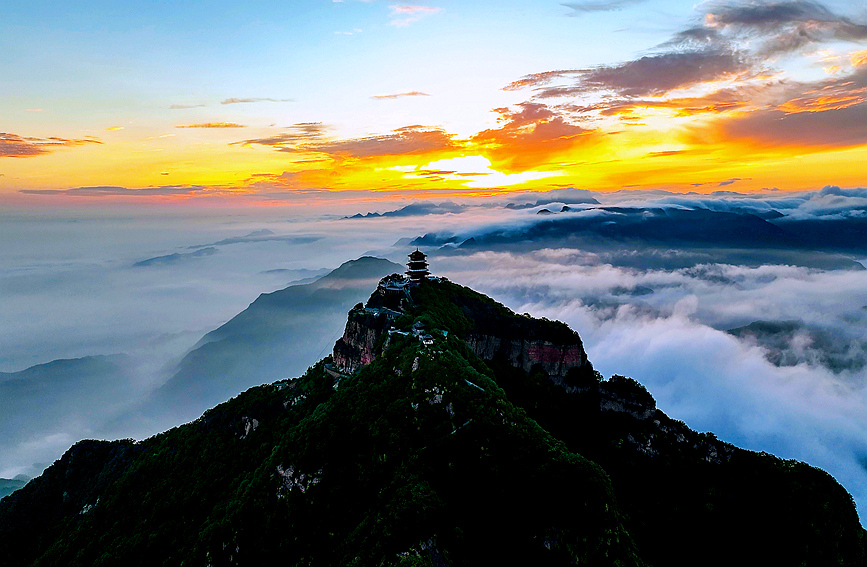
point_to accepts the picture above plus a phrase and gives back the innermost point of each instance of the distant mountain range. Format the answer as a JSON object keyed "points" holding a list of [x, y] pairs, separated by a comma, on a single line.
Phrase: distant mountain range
{"points": [[10, 485], [740, 237], [276, 337], [788, 343], [47, 398]]}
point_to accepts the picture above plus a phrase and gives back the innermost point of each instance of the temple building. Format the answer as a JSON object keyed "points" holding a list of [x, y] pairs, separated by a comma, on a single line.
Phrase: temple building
{"points": [[417, 266]]}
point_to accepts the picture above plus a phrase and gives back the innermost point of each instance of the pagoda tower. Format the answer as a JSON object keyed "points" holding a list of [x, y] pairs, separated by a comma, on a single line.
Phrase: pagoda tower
{"points": [[417, 266]]}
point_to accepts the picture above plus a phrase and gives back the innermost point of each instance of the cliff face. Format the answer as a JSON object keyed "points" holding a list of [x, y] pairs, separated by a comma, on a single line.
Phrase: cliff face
{"points": [[555, 359], [356, 348], [494, 332]]}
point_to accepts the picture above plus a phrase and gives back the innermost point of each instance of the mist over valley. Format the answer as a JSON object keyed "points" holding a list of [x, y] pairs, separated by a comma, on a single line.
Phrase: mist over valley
{"points": [[732, 333]]}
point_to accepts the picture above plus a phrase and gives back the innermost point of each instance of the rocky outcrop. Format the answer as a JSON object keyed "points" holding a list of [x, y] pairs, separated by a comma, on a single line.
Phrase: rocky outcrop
{"points": [[498, 334], [357, 346], [365, 327], [555, 359], [624, 395]]}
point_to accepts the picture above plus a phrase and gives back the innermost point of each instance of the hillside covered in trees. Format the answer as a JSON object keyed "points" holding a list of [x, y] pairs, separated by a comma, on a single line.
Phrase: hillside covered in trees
{"points": [[466, 435]]}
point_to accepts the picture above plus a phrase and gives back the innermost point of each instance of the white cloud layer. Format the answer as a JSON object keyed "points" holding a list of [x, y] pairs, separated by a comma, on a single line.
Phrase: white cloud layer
{"points": [[70, 289], [698, 373]]}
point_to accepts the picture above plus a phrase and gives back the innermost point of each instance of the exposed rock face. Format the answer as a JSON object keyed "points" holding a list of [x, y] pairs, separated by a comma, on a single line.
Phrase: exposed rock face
{"points": [[637, 408], [250, 425], [555, 359], [499, 334], [356, 347]]}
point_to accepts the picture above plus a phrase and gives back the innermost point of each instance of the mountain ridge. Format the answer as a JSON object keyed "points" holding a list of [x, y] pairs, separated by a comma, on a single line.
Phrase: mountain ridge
{"points": [[249, 349], [429, 454]]}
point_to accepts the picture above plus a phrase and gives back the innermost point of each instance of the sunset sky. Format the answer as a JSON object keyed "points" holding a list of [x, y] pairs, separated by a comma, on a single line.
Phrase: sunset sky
{"points": [[308, 100], [657, 174]]}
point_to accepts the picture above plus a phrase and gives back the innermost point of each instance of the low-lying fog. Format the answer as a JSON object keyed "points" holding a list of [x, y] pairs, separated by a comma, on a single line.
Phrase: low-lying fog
{"points": [[766, 346]]}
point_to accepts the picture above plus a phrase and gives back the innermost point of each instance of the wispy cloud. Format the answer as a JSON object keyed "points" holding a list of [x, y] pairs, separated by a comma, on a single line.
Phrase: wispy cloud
{"points": [[729, 59], [406, 140], [403, 15], [182, 106], [543, 78], [731, 181], [399, 95], [301, 133], [609, 6], [785, 26], [212, 125], [13, 145], [102, 191], [234, 100], [649, 75], [113, 128]]}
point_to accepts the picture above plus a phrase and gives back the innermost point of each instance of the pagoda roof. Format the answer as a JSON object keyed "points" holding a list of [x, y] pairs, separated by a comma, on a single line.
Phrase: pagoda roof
{"points": [[417, 255]]}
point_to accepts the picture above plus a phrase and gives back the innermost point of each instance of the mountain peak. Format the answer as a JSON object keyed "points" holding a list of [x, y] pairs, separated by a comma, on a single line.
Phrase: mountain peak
{"points": [[445, 430], [363, 268]]}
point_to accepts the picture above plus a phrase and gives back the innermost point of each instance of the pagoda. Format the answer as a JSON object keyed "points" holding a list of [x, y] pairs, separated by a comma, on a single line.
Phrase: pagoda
{"points": [[417, 266]]}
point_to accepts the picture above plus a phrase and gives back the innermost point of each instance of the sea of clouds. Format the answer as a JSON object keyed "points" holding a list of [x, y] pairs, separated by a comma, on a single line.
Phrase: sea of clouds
{"points": [[82, 282], [673, 341]]}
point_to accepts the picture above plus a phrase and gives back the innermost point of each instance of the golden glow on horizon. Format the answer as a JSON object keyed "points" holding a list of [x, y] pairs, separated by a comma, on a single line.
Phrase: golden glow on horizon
{"points": [[696, 139], [705, 96], [639, 156]]}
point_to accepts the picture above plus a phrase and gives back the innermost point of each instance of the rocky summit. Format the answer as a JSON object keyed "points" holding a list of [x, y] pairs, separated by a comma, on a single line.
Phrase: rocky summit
{"points": [[444, 430]]}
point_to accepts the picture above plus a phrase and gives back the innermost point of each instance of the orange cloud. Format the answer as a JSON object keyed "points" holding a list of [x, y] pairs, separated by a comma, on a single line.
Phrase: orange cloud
{"points": [[399, 95], [13, 145], [716, 103], [529, 137], [650, 75], [235, 100], [835, 127], [537, 79], [821, 102], [212, 125], [105, 191], [295, 136], [406, 140]]}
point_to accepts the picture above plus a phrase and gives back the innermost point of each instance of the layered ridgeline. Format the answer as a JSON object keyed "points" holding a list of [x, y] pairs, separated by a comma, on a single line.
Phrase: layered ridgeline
{"points": [[445, 430], [269, 340]]}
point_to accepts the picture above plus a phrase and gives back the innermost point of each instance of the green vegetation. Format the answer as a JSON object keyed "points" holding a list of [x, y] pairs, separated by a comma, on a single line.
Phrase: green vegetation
{"points": [[431, 456]]}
